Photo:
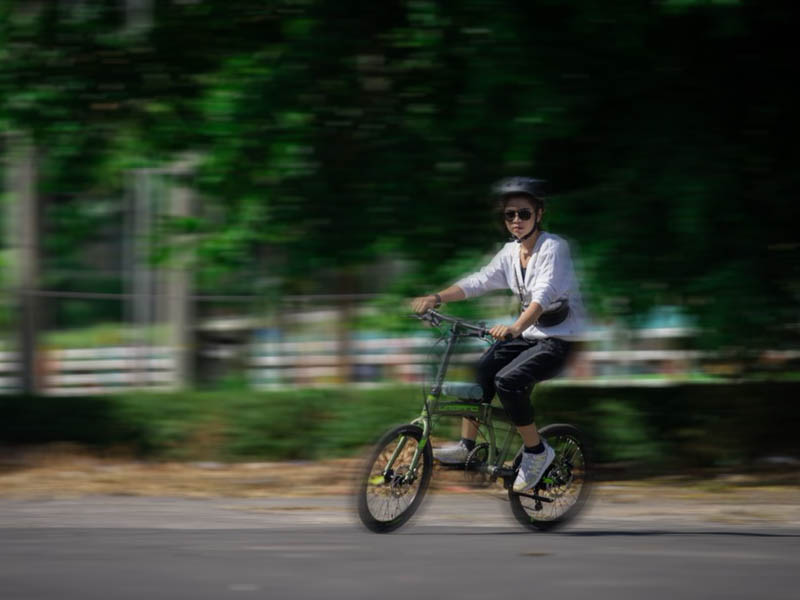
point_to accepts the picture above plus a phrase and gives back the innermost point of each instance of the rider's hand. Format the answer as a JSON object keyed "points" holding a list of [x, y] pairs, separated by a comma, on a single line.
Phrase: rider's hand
{"points": [[501, 331], [423, 304]]}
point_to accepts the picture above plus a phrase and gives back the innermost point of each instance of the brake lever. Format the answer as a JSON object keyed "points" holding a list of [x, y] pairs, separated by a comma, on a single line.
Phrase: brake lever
{"points": [[506, 338]]}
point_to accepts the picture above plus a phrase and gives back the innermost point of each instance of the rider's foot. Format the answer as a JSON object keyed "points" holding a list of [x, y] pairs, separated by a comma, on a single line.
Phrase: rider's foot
{"points": [[532, 467], [455, 454]]}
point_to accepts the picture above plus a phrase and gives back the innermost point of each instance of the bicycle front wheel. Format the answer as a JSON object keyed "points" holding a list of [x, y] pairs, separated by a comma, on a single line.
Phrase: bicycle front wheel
{"points": [[389, 493], [563, 489]]}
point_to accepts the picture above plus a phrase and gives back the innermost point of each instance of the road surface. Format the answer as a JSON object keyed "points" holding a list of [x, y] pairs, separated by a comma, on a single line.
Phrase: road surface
{"points": [[461, 546]]}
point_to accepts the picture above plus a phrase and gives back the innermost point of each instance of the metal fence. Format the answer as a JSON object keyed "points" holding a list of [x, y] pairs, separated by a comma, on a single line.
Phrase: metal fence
{"points": [[269, 361]]}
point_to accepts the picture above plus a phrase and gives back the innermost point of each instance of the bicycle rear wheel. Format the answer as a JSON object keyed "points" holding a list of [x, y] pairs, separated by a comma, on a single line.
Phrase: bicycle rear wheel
{"points": [[388, 495], [564, 488]]}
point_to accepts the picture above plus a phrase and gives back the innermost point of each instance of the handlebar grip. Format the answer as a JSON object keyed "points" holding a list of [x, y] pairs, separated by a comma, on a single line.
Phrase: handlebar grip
{"points": [[508, 337]]}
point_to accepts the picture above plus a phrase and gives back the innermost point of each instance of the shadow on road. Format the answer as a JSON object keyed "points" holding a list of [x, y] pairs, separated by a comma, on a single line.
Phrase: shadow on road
{"points": [[643, 533], [657, 532]]}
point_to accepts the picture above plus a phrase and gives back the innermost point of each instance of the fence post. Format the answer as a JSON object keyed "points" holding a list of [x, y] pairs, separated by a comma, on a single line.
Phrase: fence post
{"points": [[23, 231], [178, 286], [345, 308], [141, 279]]}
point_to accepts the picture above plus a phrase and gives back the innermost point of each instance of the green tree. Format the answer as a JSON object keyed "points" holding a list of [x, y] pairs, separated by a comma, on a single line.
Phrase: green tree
{"points": [[337, 133]]}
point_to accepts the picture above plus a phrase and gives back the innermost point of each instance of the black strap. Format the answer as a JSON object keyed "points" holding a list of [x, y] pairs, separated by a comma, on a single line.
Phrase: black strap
{"points": [[522, 305], [552, 317], [519, 240]]}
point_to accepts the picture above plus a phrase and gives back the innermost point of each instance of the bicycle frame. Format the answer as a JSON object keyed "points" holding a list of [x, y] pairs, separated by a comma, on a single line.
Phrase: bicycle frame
{"points": [[434, 407]]}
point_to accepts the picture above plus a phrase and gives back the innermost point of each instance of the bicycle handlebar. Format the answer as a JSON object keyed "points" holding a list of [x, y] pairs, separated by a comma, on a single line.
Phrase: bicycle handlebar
{"points": [[436, 317]]}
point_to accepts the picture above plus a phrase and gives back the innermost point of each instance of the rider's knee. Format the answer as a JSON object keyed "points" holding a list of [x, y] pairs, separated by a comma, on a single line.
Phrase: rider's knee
{"points": [[506, 383]]}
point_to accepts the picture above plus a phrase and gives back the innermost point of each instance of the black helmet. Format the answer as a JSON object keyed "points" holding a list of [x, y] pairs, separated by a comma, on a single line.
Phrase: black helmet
{"points": [[512, 186], [535, 188]]}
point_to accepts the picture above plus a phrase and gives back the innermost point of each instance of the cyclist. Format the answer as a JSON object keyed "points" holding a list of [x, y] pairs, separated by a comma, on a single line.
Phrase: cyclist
{"points": [[537, 267]]}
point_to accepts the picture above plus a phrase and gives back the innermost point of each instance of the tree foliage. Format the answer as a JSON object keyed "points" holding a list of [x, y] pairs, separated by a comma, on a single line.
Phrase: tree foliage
{"points": [[338, 133]]}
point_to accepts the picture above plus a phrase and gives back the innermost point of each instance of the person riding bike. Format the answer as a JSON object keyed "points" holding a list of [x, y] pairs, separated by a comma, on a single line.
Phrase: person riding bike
{"points": [[537, 267]]}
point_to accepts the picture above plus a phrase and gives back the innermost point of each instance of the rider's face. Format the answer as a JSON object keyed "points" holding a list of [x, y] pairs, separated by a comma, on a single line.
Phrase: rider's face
{"points": [[517, 226]]}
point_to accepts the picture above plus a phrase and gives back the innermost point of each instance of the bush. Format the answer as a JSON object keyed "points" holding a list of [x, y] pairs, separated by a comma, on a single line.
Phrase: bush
{"points": [[663, 428]]}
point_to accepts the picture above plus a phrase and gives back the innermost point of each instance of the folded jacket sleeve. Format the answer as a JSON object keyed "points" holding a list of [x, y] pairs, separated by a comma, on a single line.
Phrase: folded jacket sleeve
{"points": [[489, 278], [552, 274]]}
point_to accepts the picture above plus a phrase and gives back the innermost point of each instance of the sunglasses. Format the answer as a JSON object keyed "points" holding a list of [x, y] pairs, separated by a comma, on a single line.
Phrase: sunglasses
{"points": [[524, 214]]}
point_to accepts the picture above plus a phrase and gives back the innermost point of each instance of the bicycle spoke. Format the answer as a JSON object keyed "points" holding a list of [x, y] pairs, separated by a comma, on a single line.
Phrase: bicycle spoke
{"points": [[563, 483], [389, 494]]}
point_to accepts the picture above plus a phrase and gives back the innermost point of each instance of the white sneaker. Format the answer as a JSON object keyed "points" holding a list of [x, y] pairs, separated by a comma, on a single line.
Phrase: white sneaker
{"points": [[455, 454], [532, 467]]}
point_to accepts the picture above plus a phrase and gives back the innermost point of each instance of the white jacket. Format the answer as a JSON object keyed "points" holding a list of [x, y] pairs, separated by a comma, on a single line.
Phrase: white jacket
{"points": [[549, 276]]}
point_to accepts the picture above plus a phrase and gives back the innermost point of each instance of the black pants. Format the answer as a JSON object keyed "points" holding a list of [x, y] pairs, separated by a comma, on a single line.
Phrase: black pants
{"points": [[512, 369]]}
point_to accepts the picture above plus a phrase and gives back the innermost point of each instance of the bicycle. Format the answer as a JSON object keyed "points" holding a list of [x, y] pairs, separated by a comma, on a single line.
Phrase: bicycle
{"points": [[396, 477]]}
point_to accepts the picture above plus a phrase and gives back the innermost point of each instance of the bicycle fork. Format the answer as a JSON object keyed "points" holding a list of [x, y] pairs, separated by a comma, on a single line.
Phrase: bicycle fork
{"points": [[426, 417], [425, 421]]}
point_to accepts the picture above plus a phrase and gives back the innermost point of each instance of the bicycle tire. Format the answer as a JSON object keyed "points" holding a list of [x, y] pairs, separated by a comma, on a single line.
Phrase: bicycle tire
{"points": [[571, 466], [374, 486]]}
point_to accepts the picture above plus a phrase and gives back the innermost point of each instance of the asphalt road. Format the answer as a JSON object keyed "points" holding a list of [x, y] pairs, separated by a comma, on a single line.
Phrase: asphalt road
{"points": [[462, 546]]}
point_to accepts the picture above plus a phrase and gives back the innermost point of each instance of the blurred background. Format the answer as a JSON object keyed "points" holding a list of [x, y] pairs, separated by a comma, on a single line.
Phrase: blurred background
{"points": [[214, 214]]}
